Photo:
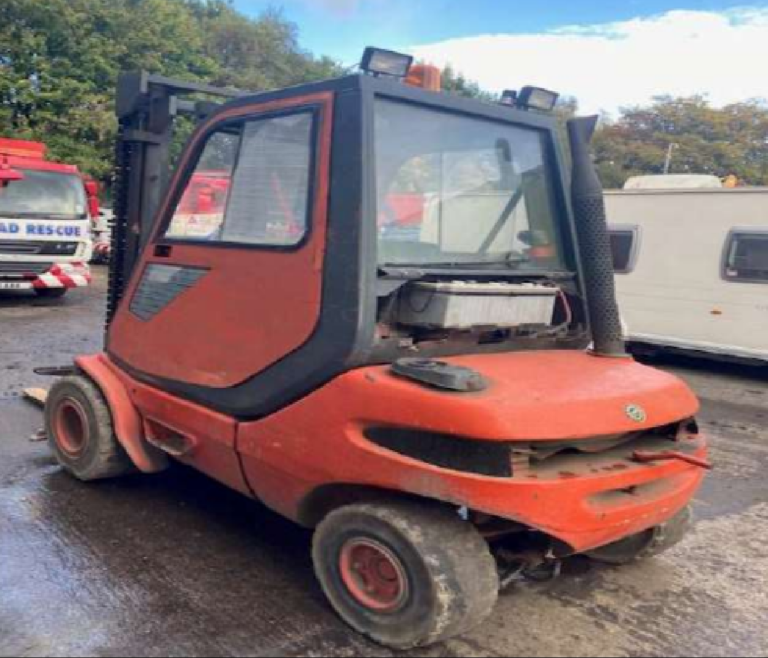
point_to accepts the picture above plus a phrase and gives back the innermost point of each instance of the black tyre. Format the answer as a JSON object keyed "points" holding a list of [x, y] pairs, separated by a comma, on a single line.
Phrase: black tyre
{"points": [[80, 432], [51, 293], [404, 574], [648, 544]]}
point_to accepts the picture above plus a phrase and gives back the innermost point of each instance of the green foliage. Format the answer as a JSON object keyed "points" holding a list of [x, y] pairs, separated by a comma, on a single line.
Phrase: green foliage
{"points": [[707, 140], [457, 83], [60, 59], [256, 55]]}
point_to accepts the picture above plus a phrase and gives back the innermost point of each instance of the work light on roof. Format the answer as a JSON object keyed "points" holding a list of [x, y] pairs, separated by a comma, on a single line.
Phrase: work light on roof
{"points": [[378, 62], [509, 97], [536, 98]]}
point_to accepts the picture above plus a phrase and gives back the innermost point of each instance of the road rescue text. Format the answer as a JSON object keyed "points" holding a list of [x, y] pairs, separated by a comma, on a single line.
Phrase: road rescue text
{"points": [[40, 230]]}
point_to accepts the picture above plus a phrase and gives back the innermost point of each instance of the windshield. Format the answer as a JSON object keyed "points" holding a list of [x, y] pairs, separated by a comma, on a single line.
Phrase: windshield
{"points": [[462, 192], [44, 195]]}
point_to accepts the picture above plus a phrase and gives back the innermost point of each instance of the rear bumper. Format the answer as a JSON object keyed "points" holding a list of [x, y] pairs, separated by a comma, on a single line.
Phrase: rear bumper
{"points": [[590, 512], [68, 275], [583, 509]]}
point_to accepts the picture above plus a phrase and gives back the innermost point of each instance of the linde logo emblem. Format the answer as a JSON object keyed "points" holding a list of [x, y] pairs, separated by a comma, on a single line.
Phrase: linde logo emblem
{"points": [[40, 230], [637, 413]]}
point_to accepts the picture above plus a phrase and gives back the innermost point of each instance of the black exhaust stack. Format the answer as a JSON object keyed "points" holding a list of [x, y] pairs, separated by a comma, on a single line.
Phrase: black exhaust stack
{"points": [[594, 242]]}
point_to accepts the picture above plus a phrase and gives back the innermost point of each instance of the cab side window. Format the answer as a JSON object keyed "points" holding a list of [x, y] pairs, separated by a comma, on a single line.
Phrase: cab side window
{"points": [[200, 213], [251, 185], [746, 258]]}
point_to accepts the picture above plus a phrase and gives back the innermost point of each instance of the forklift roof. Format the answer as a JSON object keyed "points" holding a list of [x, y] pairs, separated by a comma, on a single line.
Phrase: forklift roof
{"points": [[373, 86]]}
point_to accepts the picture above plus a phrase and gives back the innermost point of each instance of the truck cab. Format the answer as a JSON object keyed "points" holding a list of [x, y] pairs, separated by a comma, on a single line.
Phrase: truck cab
{"points": [[46, 213]]}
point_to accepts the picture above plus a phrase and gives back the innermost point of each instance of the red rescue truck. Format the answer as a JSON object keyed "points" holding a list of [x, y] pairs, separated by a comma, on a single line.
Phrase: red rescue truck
{"points": [[46, 213]]}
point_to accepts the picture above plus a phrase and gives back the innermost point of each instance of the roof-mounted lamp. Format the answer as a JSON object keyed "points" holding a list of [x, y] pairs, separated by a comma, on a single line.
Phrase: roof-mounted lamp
{"points": [[380, 62], [531, 98]]}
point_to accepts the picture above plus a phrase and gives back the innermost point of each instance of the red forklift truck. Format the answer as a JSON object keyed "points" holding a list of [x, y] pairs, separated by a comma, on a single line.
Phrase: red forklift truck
{"points": [[445, 401]]}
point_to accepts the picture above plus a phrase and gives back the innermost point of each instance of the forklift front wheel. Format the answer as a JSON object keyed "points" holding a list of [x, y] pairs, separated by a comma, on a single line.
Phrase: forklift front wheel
{"points": [[80, 432], [404, 574]]}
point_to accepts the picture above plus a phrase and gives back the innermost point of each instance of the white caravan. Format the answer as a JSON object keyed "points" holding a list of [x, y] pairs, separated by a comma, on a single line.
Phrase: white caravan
{"points": [[692, 268]]}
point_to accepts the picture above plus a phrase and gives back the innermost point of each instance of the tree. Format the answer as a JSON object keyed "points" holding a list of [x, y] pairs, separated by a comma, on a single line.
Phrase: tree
{"points": [[705, 139], [457, 83], [60, 59], [257, 54], [60, 62]]}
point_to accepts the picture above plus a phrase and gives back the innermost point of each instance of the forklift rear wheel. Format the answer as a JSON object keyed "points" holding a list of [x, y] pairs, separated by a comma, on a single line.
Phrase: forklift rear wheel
{"points": [[406, 575], [51, 293], [646, 545], [80, 431]]}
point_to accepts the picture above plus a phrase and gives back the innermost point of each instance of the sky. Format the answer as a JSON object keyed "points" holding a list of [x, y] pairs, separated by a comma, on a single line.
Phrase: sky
{"points": [[607, 54]]}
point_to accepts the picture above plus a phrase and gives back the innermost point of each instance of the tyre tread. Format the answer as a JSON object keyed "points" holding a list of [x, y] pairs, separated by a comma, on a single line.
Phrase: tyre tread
{"points": [[110, 460], [457, 557]]}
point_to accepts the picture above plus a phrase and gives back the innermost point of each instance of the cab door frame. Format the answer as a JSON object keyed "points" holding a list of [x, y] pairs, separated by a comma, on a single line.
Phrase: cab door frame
{"points": [[224, 272], [133, 342]]}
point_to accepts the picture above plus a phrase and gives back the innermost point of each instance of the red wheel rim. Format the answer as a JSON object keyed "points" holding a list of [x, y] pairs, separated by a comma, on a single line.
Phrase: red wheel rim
{"points": [[373, 575], [71, 427]]}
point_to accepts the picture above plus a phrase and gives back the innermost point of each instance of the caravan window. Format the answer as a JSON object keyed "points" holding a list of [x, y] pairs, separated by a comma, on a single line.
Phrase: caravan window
{"points": [[747, 257], [625, 246]]}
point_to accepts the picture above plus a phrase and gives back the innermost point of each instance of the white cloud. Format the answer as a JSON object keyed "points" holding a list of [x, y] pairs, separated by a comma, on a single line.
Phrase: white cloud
{"points": [[723, 55]]}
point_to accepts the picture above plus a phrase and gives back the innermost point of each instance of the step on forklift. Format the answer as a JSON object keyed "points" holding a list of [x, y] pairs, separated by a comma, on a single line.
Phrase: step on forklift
{"points": [[390, 317]]}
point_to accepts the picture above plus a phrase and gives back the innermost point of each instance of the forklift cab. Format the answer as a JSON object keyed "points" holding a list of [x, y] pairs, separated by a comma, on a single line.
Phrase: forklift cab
{"points": [[369, 306], [307, 265]]}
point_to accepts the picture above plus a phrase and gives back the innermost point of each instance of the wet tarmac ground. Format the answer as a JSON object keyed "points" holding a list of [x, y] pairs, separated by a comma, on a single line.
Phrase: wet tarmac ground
{"points": [[175, 565]]}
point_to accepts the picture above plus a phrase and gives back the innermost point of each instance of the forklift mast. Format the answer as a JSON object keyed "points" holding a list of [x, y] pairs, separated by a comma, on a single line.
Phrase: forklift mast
{"points": [[147, 108]]}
